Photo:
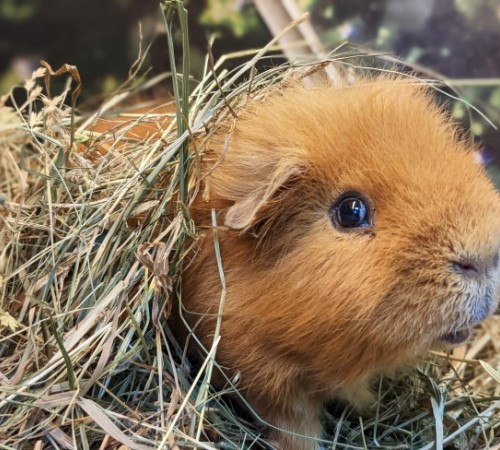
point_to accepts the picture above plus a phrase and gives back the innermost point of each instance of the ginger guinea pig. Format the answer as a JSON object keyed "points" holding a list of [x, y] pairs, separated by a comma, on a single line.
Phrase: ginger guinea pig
{"points": [[356, 233]]}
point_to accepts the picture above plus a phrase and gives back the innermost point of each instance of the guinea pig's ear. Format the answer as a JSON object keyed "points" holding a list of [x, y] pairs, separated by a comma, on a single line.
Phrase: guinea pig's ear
{"points": [[243, 214]]}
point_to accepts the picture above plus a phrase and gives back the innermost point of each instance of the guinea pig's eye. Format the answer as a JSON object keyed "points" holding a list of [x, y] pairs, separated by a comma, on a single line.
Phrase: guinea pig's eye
{"points": [[350, 211]]}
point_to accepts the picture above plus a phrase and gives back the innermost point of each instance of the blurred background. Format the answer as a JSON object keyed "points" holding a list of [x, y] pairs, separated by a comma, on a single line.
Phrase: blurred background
{"points": [[459, 39]]}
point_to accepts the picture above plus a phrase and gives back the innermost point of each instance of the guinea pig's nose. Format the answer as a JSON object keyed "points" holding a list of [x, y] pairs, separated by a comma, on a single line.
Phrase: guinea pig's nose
{"points": [[475, 267]]}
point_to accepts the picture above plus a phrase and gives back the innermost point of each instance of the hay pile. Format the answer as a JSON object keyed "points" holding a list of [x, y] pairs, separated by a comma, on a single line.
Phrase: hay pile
{"points": [[90, 265]]}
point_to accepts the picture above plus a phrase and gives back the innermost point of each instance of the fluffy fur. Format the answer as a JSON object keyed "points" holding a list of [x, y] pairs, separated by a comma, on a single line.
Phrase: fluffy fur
{"points": [[312, 311]]}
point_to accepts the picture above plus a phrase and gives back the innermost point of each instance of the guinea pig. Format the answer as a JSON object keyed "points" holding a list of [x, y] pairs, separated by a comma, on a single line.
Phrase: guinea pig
{"points": [[356, 232]]}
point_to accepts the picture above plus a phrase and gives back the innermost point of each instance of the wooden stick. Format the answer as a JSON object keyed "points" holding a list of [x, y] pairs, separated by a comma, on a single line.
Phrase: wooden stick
{"points": [[301, 41]]}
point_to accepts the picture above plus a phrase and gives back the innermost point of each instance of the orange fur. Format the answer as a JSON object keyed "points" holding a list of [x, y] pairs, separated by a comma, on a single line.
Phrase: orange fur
{"points": [[313, 312]]}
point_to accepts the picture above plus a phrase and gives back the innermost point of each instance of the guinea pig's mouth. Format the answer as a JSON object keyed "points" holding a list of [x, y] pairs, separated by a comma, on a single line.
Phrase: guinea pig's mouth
{"points": [[456, 337], [481, 308]]}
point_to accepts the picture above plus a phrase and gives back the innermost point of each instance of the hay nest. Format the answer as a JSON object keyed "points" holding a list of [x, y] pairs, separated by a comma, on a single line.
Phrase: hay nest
{"points": [[90, 265]]}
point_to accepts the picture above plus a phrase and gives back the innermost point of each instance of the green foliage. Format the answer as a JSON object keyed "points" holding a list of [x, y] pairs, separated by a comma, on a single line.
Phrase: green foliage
{"points": [[223, 13], [495, 98], [19, 10]]}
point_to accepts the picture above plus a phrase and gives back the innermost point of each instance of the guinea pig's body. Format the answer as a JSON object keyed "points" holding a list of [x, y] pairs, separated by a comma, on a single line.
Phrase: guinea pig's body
{"points": [[356, 232]]}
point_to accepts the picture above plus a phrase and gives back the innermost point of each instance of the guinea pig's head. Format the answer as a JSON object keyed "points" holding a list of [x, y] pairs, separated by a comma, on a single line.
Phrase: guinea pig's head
{"points": [[375, 233]]}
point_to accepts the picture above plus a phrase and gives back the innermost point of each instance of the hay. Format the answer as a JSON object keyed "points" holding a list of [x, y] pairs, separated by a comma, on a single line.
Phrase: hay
{"points": [[89, 269]]}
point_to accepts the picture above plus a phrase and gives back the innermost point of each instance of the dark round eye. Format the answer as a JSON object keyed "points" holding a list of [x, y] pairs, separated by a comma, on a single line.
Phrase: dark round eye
{"points": [[350, 211]]}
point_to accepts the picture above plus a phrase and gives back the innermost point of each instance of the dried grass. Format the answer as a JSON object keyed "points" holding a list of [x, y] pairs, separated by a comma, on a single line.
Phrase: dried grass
{"points": [[89, 268]]}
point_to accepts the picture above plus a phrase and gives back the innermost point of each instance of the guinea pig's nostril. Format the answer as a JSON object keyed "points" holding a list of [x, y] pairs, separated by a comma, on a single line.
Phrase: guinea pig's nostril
{"points": [[475, 267], [468, 267], [495, 261]]}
